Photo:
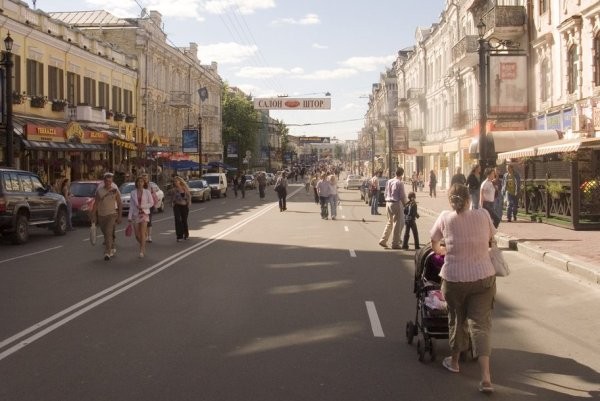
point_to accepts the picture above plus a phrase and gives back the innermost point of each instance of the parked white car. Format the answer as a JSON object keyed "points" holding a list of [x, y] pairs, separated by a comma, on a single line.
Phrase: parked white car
{"points": [[128, 187], [353, 181]]}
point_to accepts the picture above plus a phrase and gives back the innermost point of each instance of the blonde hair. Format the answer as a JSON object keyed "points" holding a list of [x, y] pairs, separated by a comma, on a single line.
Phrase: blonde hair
{"points": [[182, 182]]}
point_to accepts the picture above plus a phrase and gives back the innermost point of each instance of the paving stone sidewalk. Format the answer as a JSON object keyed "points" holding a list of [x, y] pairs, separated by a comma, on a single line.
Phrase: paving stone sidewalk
{"points": [[577, 252]]}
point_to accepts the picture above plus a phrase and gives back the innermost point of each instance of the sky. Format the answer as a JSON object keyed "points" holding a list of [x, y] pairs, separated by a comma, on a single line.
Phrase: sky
{"points": [[302, 48]]}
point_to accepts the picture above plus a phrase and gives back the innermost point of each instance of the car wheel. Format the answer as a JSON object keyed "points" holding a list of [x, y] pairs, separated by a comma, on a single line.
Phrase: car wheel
{"points": [[209, 196], [60, 226], [21, 234]]}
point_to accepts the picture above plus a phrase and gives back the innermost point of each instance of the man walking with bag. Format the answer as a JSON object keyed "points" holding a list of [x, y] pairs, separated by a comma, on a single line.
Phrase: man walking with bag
{"points": [[107, 211], [395, 199]]}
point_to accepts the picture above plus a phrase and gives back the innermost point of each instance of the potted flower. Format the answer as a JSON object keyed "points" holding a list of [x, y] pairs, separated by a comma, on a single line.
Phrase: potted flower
{"points": [[109, 114], [59, 104], [129, 118], [39, 101], [119, 116], [18, 98], [555, 189]]}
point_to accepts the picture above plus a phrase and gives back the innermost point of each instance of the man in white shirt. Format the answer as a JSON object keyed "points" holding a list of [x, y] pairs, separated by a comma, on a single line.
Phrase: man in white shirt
{"points": [[395, 199]]}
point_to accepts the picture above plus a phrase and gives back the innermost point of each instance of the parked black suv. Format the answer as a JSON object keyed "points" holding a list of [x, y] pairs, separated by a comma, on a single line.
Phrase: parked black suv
{"points": [[25, 202]]}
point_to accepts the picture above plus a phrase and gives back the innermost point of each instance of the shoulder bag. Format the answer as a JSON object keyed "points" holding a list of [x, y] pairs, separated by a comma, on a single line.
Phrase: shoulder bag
{"points": [[498, 261]]}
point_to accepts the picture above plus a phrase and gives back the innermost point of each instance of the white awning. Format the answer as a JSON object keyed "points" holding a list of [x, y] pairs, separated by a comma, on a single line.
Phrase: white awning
{"points": [[509, 141], [567, 145], [560, 146]]}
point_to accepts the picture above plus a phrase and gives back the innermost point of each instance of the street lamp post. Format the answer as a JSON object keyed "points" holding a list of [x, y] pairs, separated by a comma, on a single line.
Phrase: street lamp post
{"points": [[7, 63], [390, 138], [372, 151], [482, 96]]}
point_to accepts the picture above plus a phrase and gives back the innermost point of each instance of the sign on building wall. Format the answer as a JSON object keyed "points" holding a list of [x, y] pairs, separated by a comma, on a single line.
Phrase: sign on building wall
{"points": [[303, 140], [232, 150], [288, 103], [189, 141], [507, 85], [399, 139]]}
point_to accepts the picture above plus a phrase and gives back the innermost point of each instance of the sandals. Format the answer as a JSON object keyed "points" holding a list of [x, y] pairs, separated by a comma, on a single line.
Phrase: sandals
{"points": [[447, 363], [485, 387]]}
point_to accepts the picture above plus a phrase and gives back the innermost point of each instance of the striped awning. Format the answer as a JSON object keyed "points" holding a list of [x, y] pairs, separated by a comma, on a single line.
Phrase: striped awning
{"points": [[560, 146], [63, 146]]}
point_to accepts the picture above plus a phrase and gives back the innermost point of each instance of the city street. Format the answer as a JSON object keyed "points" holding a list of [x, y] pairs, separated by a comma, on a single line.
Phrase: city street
{"points": [[270, 306]]}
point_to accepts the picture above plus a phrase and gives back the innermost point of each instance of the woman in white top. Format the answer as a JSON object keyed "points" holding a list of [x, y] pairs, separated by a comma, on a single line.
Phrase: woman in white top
{"points": [[468, 279], [487, 195], [139, 212], [333, 195]]}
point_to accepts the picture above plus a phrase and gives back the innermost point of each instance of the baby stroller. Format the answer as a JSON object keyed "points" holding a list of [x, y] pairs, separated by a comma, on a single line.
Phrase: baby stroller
{"points": [[431, 320]]}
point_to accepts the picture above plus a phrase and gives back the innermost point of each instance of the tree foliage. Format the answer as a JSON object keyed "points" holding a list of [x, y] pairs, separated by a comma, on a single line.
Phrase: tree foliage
{"points": [[240, 121]]}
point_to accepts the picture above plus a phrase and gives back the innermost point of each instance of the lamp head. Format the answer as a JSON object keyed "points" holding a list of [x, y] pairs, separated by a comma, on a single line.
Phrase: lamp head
{"points": [[8, 43], [481, 28]]}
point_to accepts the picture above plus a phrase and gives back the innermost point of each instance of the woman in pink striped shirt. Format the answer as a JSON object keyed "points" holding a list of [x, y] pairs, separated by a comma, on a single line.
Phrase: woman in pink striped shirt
{"points": [[469, 282]]}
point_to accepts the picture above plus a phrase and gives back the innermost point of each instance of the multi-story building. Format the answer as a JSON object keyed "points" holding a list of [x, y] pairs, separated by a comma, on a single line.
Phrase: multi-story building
{"points": [[170, 78], [64, 83]]}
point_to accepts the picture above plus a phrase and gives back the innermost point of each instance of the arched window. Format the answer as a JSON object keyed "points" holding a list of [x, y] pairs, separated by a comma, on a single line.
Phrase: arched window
{"points": [[544, 81], [597, 59], [572, 69]]}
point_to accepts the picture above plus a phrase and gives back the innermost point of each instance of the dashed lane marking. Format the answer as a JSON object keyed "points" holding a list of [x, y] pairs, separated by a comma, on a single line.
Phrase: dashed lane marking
{"points": [[374, 318], [352, 253]]}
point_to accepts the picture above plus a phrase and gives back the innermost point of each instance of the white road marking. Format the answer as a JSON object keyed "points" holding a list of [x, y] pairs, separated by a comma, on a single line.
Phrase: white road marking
{"points": [[346, 228], [375, 323], [30, 254], [352, 253], [47, 326]]}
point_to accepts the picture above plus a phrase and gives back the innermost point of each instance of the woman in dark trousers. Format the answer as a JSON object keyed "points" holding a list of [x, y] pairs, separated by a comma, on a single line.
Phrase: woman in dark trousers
{"points": [[181, 208], [432, 184]]}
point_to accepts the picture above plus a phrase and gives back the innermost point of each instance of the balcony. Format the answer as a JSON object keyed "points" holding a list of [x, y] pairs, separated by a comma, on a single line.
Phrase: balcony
{"points": [[505, 22], [465, 119], [464, 53], [86, 113], [180, 100], [415, 94]]}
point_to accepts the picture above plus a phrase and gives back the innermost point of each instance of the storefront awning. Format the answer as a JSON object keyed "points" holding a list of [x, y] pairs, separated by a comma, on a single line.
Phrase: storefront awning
{"points": [[63, 146], [560, 146], [508, 141]]}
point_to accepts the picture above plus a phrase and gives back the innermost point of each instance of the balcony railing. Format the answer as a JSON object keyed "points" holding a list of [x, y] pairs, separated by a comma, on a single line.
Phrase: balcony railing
{"points": [[505, 22], [414, 93], [466, 47], [465, 119]]}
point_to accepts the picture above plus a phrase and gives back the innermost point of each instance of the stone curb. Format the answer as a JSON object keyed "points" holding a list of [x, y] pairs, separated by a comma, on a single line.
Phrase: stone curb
{"points": [[554, 259]]}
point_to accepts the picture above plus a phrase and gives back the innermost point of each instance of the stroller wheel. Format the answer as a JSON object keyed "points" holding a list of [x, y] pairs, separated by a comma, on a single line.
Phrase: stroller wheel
{"points": [[411, 331], [432, 350], [421, 349]]}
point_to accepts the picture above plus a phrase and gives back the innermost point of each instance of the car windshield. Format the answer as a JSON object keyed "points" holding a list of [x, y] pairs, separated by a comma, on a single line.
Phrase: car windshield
{"points": [[212, 179], [127, 188], [84, 189], [196, 184]]}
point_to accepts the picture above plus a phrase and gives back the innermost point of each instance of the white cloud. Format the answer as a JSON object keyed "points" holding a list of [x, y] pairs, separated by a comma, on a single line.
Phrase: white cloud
{"points": [[368, 63], [319, 46], [308, 19], [243, 6], [225, 53], [261, 72], [338, 73]]}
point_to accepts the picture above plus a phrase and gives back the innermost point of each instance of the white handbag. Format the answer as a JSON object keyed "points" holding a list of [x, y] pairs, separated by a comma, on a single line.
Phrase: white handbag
{"points": [[500, 265], [93, 234]]}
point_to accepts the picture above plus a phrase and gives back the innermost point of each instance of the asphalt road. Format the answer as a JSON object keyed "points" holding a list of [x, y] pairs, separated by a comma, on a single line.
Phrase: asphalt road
{"points": [[262, 305]]}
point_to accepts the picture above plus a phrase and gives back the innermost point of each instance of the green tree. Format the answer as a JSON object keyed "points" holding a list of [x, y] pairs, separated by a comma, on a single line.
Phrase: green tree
{"points": [[240, 121], [338, 151], [283, 132]]}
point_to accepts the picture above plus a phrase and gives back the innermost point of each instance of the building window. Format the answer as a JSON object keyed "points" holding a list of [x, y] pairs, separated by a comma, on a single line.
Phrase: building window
{"points": [[16, 74], [128, 101], [572, 69], [89, 91], [56, 82], [35, 78], [103, 95], [544, 81], [116, 99], [543, 6], [597, 60], [73, 87]]}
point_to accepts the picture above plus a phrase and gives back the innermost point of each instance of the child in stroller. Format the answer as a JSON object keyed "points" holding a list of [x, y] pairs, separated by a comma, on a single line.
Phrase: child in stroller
{"points": [[431, 320]]}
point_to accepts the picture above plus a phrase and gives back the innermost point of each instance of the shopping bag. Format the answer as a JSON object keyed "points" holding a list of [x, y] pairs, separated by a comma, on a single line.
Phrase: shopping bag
{"points": [[498, 261], [93, 234], [129, 230]]}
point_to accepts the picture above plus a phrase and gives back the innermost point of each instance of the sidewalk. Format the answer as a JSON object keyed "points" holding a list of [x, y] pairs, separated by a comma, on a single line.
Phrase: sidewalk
{"points": [[575, 252]]}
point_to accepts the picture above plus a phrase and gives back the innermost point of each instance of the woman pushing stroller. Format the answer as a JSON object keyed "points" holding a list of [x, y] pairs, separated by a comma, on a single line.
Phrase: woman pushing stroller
{"points": [[468, 279]]}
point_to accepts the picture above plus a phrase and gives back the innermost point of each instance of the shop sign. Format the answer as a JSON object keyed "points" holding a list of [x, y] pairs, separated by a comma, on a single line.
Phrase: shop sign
{"points": [[74, 133], [44, 134], [124, 144], [399, 138], [95, 137]]}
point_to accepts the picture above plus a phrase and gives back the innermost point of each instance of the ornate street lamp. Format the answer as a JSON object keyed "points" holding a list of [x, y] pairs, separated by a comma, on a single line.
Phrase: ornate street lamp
{"points": [[481, 29], [6, 62]]}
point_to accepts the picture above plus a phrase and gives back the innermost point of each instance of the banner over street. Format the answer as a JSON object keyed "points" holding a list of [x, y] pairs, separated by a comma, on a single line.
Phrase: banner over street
{"points": [[288, 103]]}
